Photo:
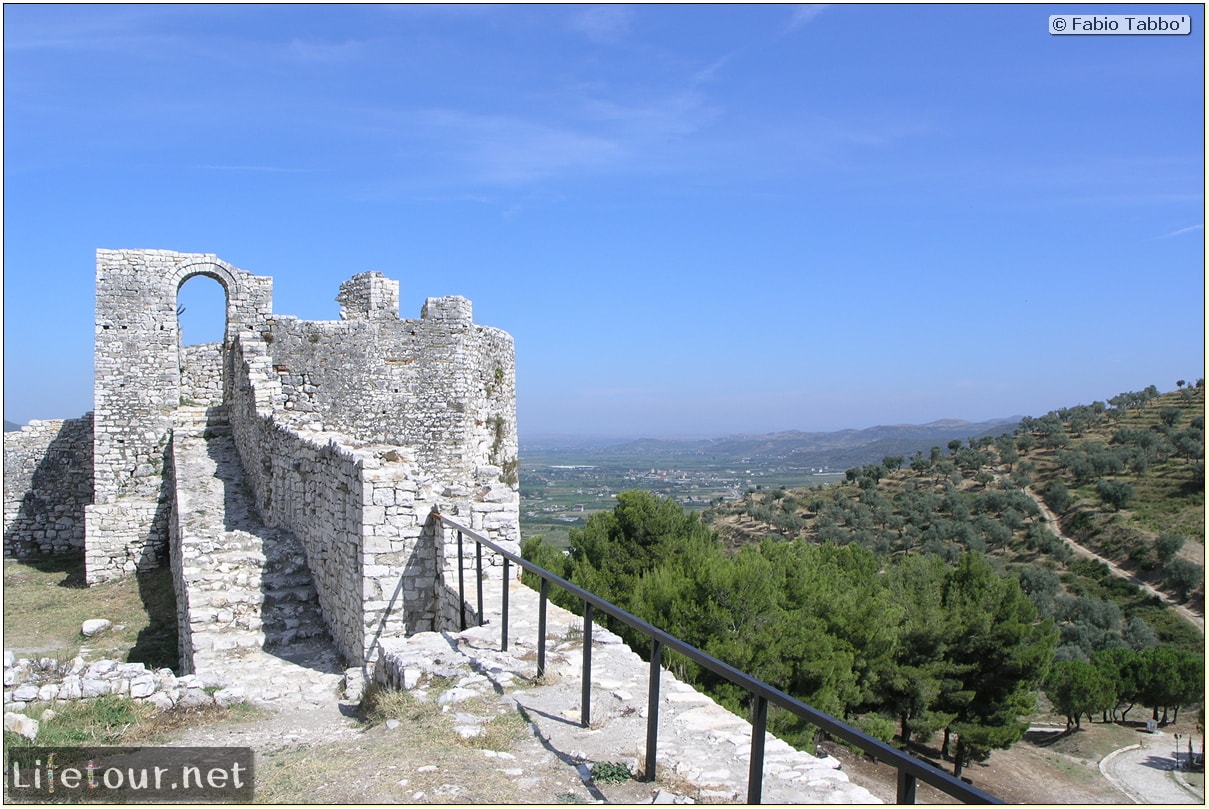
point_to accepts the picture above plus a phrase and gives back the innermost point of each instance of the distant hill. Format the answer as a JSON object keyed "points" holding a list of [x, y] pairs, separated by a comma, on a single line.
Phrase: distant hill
{"points": [[838, 450], [10, 426], [1124, 479]]}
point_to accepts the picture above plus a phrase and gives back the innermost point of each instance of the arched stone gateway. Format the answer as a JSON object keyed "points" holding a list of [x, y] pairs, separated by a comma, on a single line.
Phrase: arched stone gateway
{"points": [[329, 446], [136, 391]]}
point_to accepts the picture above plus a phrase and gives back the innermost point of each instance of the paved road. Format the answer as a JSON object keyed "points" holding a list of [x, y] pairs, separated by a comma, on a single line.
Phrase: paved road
{"points": [[1143, 771]]}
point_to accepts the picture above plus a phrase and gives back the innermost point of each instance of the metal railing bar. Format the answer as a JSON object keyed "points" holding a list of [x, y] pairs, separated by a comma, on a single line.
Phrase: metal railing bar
{"points": [[541, 628], [652, 708], [585, 695], [906, 787], [757, 688], [755, 773], [461, 584], [504, 610], [478, 571]]}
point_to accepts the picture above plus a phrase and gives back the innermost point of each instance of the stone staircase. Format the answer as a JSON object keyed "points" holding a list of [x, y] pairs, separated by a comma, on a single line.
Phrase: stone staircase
{"points": [[252, 610]]}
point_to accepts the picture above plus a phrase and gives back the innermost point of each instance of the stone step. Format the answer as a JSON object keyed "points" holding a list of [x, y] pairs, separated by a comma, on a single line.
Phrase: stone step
{"points": [[249, 587], [251, 577]]}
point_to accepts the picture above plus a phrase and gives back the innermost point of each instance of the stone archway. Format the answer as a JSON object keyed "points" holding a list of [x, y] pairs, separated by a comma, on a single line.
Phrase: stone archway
{"points": [[202, 361], [136, 391]]}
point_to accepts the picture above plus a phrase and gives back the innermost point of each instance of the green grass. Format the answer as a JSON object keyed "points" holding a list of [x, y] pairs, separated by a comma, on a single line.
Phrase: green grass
{"points": [[112, 720], [1169, 501], [108, 720], [499, 733], [610, 772], [46, 601]]}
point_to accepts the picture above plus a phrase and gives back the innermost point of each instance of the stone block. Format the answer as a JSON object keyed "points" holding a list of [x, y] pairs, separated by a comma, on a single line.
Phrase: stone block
{"points": [[95, 687], [142, 686], [71, 688], [193, 697], [22, 725], [161, 700]]}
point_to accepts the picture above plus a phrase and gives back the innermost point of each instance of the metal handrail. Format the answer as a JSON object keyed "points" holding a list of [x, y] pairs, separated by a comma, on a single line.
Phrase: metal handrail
{"points": [[910, 769]]}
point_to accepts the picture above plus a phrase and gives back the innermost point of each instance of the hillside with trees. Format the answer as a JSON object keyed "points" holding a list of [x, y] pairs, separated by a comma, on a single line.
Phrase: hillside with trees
{"points": [[931, 597], [1125, 479]]}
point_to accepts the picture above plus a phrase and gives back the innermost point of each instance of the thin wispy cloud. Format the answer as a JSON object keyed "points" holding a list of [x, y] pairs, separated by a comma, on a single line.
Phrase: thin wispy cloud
{"points": [[805, 14], [711, 70], [1182, 231], [509, 150], [603, 24], [260, 169], [582, 134], [326, 52], [676, 115]]}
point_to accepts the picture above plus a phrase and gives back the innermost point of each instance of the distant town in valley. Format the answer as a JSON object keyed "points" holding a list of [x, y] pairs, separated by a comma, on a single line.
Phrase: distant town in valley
{"points": [[565, 480]]}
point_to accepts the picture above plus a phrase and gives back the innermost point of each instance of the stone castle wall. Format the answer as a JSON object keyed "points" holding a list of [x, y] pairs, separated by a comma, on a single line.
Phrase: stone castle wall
{"points": [[439, 385], [311, 487], [137, 388], [349, 433], [357, 429], [47, 485], [201, 374]]}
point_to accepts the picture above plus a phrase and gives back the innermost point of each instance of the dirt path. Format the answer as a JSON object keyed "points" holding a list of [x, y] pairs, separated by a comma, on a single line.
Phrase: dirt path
{"points": [[1183, 611]]}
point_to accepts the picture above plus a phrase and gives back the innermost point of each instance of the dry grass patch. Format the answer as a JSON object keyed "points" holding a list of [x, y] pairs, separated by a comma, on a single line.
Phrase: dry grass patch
{"points": [[500, 732], [422, 760], [46, 601], [411, 764]]}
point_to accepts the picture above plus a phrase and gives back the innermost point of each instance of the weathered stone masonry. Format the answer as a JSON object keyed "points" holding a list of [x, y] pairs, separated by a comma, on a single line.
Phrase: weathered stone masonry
{"points": [[47, 485], [350, 432], [137, 388]]}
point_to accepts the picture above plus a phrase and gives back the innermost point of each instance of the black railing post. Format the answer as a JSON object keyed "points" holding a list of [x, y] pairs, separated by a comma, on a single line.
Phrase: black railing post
{"points": [[504, 610], [585, 698], [478, 571], [906, 788], [543, 596], [755, 774], [652, 708], [461, 585]]}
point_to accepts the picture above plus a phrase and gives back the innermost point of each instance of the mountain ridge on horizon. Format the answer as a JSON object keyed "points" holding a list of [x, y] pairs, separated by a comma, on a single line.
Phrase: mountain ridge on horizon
{"points": [[894, 438]]}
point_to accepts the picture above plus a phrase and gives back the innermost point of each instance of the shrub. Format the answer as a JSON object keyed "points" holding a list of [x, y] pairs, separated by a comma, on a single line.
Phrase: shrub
{"points": [[1116, 493], [1056, 496], [1167, 546], [1184, 576]]}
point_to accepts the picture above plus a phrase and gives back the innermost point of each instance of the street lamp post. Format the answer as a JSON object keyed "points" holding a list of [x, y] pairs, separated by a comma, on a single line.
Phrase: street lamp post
{"points": [[1177, 752]]}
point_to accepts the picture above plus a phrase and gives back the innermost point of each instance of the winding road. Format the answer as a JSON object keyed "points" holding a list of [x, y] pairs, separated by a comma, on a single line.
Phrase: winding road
{"points": [[1184, 612]]}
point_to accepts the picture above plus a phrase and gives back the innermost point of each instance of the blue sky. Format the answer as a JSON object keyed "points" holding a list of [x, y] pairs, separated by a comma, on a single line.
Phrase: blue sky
{"points": [[693, 220]]}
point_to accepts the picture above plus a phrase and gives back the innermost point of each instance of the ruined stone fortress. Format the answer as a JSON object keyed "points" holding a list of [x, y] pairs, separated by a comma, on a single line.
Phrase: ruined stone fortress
{"points": [[286, 474]]}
